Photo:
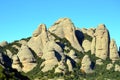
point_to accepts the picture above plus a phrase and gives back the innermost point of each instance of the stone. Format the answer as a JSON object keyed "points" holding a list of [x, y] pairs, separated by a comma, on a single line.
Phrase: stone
{"points": [[93, 46], [64, 28], [113, 51], [16, 63], [102, 42], [109, 66], [26, 58], [3, 43], [86, 45], [99, 62], [117, 67], [39, 39], [85, 64]]}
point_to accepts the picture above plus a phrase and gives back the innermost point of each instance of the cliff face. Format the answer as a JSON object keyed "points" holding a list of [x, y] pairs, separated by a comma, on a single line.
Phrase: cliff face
{"points": [[62, 48]]}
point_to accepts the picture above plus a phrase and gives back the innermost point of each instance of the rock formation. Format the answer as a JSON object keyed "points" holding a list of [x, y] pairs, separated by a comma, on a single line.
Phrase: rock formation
{"points": [[86, 64], [65, 50], [64, 28], [117, 67], [113, 51], [49, 55], [4, 43], [16, 63], [102, 42], [26, 58], [86, 45], [39, 39]]}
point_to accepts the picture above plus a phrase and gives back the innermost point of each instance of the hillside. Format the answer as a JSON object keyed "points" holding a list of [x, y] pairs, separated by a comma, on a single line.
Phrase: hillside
{"points": [[62, 52]]}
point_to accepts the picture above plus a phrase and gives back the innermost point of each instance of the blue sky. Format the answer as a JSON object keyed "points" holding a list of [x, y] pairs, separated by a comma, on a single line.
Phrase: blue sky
{"points": [[19, 18]]}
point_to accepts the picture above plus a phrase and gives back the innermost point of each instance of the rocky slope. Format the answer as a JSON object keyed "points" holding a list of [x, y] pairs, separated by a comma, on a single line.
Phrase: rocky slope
{"points": [[69, 53]]}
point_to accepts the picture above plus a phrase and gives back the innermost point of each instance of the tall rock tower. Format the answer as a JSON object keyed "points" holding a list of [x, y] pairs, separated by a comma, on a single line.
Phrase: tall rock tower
{"points": [[102, 42]]}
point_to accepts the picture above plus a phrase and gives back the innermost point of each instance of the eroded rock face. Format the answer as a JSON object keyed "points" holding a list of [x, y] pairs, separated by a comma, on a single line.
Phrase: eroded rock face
{"points": [[102, 42], [4, 43], [64, 28], [26, 58], [16, 63], [86, 64], [86, 45], [52, 54], [39, 39], [113, 51]]}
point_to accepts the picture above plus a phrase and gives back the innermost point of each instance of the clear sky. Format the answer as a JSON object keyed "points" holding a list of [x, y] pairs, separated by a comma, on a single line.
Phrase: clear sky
{"points": [[19, 18]]}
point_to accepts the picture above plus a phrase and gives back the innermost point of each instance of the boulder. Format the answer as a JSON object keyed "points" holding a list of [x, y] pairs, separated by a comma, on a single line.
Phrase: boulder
{"points": [[64, 28], [85, 64], [86, 45], [102, 42], [113, 51], [117, 67], [3, 43], [39, 39], [109, 66], [99, 62], [26, 58]]}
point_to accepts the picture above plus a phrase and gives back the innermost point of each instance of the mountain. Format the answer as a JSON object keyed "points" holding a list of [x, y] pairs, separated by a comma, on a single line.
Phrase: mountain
{"points": [[62, 52]]}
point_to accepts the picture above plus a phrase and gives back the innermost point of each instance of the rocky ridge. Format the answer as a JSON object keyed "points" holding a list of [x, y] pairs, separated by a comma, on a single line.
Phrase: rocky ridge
{"points": [[62, 48]]}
